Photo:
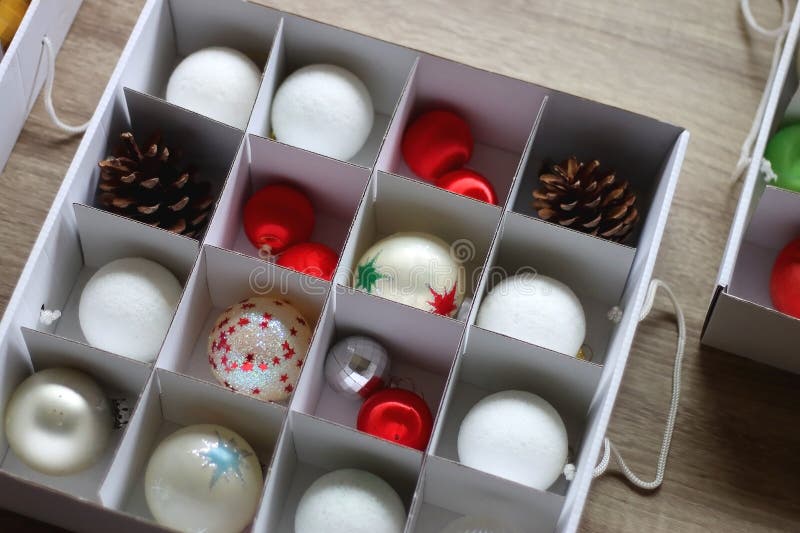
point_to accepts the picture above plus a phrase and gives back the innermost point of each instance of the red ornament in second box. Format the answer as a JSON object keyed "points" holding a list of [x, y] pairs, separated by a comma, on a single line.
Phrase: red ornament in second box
{"points": [[397, 415]]}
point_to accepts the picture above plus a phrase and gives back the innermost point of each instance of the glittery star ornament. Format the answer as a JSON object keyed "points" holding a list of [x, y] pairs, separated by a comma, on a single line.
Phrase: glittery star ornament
{"points": [[203, 478], [414, 268], [258, 346]]}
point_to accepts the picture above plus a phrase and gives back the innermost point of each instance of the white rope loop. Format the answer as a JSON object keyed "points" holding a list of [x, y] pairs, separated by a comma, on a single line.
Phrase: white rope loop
{"points": [[779, 33], [48, 91], [609, 449]]}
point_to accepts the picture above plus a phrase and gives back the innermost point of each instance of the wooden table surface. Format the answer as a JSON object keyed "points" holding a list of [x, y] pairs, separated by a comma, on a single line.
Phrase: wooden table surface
{"points": [[734, 465]]}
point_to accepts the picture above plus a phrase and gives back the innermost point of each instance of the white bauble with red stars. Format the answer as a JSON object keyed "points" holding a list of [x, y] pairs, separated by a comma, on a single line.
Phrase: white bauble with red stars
{"points": [[258, 346], [416, 269]]}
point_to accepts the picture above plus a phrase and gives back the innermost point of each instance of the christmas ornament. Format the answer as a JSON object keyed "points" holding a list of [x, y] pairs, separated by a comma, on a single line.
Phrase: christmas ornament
{"points": [[413, 268], [312, 258], [11, 14], [583, 197], [203, 478], [784, 283], [58, 421], [357, 366], [153, 186], [468, 183], [218, 82], [127, 306], [324, 109], [516, 435], [397, 415], [477, 524], [437, 142], [350, 501], [536, 309], [258, 346], [783, 153], [277, 217]]}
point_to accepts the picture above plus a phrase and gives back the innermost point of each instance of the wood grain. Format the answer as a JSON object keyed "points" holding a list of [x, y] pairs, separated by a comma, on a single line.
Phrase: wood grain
{"points": [[734, 464]]}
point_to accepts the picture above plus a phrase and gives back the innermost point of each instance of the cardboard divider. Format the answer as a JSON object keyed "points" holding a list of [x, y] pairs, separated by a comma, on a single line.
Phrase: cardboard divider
{"points": [[383, 67], [595, 269], [479, 495], [119, 377], [394, 204], [219, 280], [419, 362], [310, 448], [94, 239], [171, 402], [494, 363], [177, 28], [573, 126], [500, 111], [334, 189]]}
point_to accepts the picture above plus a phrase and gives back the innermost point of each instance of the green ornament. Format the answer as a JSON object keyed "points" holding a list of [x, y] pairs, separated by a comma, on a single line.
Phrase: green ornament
{"points": [[368, 275], [783, 153]]}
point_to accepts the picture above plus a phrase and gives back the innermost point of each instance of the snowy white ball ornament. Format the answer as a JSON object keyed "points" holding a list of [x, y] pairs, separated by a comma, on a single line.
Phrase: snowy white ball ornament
{"points": [[203, 478], [414, 268], [536, 309], [350, 501], [516, 435], [127, 306], [325, 109], [218, 82]]}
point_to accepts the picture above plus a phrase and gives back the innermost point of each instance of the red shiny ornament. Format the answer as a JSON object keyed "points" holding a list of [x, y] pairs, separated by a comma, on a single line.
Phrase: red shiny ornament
{"points": [[468, 183], [397, 415], [312, 258], [784, 283], [437, 142], [278, 216]]}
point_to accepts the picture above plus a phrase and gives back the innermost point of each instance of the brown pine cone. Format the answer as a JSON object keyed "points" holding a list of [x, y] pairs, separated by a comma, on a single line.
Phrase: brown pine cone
{"points": [[582, 197], [147, 186]]}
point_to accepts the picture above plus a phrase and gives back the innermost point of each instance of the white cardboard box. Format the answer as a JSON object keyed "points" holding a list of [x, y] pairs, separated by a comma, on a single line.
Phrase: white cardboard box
{"points": [[452, 362], [22, 67], [741, 318]]}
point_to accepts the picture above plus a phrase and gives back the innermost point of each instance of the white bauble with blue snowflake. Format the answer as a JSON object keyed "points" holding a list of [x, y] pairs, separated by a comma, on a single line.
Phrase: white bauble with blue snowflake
{"points": [[203, 478]]}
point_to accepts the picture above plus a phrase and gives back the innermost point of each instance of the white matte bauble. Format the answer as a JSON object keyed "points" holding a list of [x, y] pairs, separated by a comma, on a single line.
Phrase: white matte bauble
{"points": [[217, 82], [127, 306], [325, 109], [58, 421], [536, 309], [414, 268], [477, 524], [515, 435], [203, 478], [350, 501]]}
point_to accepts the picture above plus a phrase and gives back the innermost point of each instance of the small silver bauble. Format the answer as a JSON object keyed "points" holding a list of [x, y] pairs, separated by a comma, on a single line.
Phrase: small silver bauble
{"points": [[357, 366]]}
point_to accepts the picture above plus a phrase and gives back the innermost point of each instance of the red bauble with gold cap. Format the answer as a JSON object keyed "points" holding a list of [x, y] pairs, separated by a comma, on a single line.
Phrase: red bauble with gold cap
{"points": [[277, 217]]}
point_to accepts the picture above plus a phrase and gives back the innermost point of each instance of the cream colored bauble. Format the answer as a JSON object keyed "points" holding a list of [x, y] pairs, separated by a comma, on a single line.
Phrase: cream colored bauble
{"points": [[414, 268]]}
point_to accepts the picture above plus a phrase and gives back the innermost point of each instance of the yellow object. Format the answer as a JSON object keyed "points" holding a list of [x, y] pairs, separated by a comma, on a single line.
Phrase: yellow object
{"points": [[11, 14]]}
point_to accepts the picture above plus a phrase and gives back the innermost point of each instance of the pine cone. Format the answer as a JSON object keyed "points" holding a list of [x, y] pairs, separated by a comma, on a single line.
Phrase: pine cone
{"points": [[147, 186], [582, 197]]}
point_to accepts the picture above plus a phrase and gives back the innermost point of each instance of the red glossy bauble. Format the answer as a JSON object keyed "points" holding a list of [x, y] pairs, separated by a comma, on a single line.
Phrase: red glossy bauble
{"points": [[784, 284], [468, 183], [397, 415], [312, 258], [437, 142], [278, 216]]}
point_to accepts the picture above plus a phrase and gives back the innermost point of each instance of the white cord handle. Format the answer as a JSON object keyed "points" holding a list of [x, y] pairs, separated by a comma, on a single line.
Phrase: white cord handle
{"points": [[608, 446], [779, 33], [48, 91]]}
